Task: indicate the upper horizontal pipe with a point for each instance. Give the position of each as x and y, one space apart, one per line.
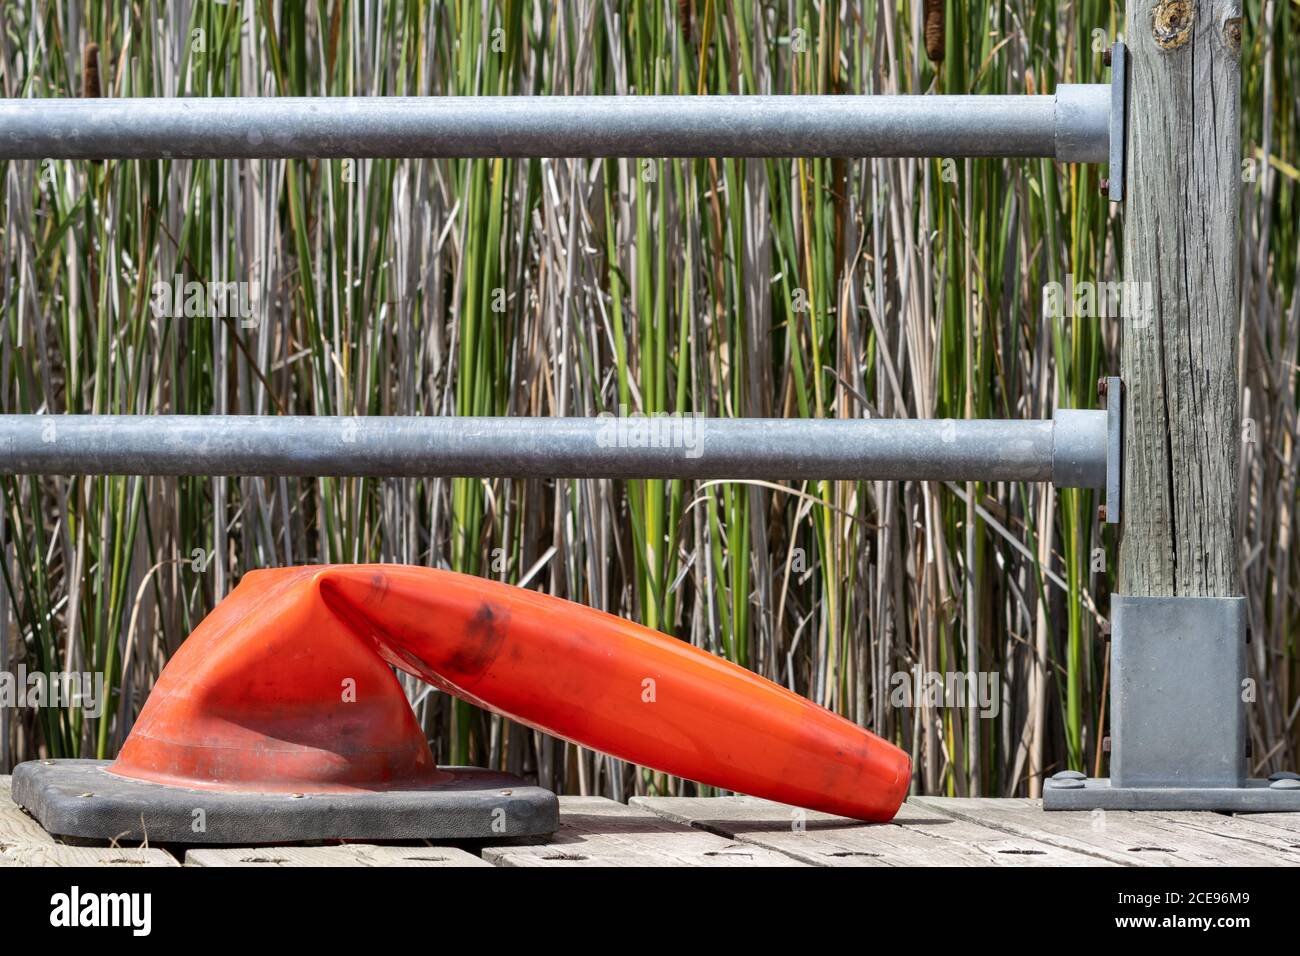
1072 126
1069 451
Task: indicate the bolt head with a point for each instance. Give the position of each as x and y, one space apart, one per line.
1284 785
1101 513
1103 386
1105 745
1069 775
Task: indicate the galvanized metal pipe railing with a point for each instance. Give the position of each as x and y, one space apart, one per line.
1069 450
1072 125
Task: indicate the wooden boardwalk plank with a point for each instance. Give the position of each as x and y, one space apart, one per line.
349 855
1289 822
1121 836
744 831
916 837
16 827
595 831
1249 828
57 854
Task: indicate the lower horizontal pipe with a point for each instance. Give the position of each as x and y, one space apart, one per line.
1070 450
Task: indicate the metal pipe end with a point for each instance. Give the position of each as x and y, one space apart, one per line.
1083 122
1079 448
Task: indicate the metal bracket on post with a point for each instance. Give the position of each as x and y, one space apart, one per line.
1114 447
1118 120
1179 736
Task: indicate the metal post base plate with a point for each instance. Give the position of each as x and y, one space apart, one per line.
77 798
1178 665
1071 790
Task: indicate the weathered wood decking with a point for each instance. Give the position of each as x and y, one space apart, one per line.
743 831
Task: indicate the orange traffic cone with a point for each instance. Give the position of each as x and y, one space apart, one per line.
280 719
284 688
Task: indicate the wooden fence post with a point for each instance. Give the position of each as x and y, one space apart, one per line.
1179 354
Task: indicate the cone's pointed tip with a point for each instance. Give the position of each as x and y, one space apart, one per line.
902 782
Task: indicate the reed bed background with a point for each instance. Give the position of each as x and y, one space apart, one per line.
557 287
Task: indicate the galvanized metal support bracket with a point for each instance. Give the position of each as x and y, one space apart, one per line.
1118 120
1178 713
1114 447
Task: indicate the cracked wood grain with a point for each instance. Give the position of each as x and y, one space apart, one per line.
1179 364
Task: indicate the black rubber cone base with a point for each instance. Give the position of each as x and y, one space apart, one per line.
77 798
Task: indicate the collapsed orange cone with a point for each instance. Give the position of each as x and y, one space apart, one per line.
285 687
